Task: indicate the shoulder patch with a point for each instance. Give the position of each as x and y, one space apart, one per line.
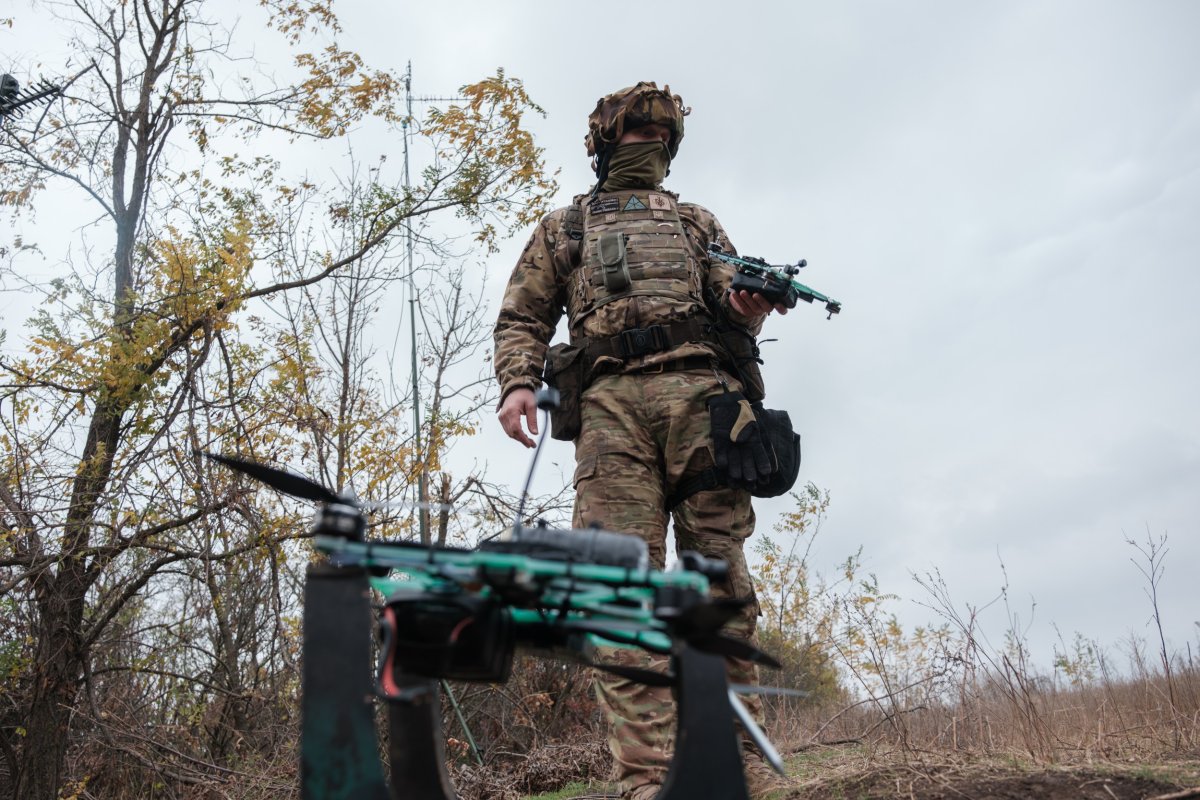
634 204
603 206
660 202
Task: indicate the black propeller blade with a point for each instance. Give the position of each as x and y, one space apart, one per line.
699 625
704 617
646 677
287 482
706 641
719 645
742 688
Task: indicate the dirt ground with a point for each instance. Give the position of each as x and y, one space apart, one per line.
990 782
1024 786
851 773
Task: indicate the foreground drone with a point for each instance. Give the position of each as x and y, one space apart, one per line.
458 614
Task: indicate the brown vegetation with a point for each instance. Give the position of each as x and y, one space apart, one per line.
149 613
213 297
939 713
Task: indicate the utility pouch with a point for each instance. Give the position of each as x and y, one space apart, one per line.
775 427
742 348
611 247
565 368
783 448
739 351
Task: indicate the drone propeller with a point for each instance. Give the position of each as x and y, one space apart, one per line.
745 688
706 642
699 625
287 482
756 733
299 486
720 645
702 618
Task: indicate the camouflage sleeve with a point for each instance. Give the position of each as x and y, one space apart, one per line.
530 311
707 229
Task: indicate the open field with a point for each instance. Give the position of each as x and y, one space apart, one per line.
850 774
1113 739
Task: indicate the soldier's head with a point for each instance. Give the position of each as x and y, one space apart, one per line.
642 115
654 132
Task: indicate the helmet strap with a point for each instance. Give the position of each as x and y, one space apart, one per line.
602 160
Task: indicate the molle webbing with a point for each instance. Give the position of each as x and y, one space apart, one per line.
573 225
655 257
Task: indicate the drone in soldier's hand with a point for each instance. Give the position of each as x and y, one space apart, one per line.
770 286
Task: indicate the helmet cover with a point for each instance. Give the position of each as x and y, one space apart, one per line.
633 107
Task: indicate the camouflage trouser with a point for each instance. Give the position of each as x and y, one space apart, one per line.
641 435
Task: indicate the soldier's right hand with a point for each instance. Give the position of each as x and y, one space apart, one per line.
519 404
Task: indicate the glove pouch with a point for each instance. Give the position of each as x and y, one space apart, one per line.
784 443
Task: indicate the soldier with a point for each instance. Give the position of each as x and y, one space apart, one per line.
657 393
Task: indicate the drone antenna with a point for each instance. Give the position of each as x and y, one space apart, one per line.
547 399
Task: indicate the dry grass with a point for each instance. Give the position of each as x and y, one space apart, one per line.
986 733
847 773
1015 714
545 769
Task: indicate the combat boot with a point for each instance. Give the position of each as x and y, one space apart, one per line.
647 791
762 782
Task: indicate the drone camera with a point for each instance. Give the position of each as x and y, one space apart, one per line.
461 638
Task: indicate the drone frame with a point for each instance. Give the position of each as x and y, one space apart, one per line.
339 746
339 757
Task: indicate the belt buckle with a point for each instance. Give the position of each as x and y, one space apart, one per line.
655 369
643 341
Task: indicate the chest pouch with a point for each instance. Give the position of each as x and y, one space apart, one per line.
613 262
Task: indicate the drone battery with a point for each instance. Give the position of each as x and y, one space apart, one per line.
459 638
776 291
586 545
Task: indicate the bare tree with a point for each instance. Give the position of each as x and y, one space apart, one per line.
138 358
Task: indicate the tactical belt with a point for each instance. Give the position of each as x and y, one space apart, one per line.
679 365
637 342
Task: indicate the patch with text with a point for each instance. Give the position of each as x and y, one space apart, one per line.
604 206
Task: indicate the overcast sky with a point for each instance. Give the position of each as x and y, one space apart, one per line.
1005 197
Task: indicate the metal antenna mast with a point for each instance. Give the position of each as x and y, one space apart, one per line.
423 475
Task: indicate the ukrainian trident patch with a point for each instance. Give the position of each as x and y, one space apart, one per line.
660 202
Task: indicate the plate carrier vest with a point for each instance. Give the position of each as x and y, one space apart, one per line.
633 244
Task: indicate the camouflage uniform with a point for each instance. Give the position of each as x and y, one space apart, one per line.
645 425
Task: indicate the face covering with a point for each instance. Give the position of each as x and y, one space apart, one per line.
637 166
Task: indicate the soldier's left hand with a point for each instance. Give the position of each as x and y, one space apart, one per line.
753 304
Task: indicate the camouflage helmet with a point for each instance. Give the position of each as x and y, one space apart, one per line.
633 107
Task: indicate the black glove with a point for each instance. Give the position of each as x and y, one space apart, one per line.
741 455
